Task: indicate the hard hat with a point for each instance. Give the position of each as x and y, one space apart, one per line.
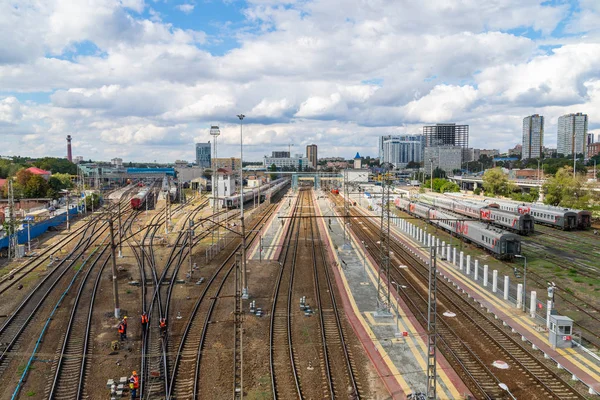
125 317
134 373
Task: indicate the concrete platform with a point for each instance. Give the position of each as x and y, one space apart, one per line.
401 362
582 364
273 231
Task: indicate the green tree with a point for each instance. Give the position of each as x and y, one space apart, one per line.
58 182
449 187
90 199
273 168
439 173
56 165
442 185
495 182
9 168
565 190
35 187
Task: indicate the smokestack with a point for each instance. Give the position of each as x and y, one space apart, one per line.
69 154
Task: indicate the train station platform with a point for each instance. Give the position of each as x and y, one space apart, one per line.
273 231
582 364
397 345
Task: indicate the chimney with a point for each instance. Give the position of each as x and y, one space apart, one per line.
69 154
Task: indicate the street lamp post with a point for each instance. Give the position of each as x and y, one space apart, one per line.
524 279
121 231
364 261
431 165
215 132
114 269
245 293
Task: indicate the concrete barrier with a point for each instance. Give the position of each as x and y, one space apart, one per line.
485 275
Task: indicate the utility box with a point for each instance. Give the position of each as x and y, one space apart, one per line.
561 331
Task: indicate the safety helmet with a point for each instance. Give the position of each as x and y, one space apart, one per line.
125 317
134 373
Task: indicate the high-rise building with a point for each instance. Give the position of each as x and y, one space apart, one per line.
446 135
447 158
572 134
590 138
311 154
203 156
399 150
280 154
533 136
298 163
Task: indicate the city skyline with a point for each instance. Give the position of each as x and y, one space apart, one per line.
145 80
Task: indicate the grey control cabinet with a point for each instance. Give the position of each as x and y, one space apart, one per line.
560 333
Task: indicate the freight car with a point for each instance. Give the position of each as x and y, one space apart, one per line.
502 244
138 201
485 212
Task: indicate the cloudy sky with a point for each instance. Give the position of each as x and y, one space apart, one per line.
145 79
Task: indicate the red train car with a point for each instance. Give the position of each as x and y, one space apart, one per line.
335 191
139 199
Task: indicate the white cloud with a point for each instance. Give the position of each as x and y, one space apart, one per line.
10 110
441 104
185 8
122 81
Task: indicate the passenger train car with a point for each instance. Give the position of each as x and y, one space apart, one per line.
486 212
502 244
273 190
138 201
584 218
234 201
555 217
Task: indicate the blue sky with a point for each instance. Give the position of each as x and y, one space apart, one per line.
146 79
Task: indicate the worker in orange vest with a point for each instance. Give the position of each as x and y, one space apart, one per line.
134 384
122 328
145 321
163 327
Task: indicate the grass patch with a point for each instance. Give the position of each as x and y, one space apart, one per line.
569 290
572 271
262 392
31 393
77 267
21 369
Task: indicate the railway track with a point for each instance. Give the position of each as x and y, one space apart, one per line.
591 321
472 353
155 349
13 327
68 370
340 371
186 372
284 374
69 366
